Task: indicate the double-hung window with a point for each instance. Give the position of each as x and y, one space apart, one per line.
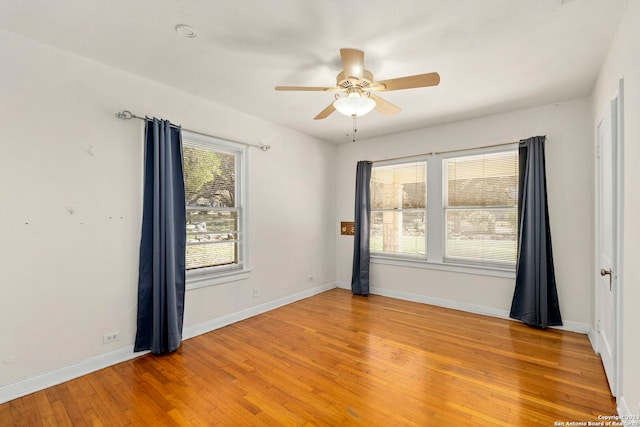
399 209
215 209
447 211
480 209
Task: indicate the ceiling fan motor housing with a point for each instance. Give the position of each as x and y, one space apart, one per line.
350 82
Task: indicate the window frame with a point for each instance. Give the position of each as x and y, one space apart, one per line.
400 255
446 208
436 226
208 276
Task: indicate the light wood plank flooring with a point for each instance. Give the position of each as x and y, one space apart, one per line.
337 359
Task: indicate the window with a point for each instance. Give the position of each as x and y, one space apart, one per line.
214 184
398 208
480 208
445 211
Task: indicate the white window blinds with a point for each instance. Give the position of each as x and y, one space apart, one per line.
398 208
480 209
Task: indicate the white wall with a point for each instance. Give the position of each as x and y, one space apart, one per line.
68 278
570 172
623 61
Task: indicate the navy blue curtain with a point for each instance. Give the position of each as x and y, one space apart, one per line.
535 299
360 271
161 282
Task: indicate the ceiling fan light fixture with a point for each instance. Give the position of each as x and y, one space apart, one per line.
354 104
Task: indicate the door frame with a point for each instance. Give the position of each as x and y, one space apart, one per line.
617 126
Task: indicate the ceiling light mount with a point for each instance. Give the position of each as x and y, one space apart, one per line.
186 31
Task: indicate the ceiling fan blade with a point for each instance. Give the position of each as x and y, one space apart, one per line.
384 106
352 62
409 82
325 113
305 88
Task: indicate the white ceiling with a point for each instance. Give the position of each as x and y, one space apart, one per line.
492 55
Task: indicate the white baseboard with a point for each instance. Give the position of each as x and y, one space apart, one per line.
572 326
49 379
220 322
343 285
623 409
441 302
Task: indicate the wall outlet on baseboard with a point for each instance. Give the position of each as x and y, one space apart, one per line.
111 337
256 292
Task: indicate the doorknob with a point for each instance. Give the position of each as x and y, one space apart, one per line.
604 272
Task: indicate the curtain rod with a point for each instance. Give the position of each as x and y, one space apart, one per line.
445 152
128 115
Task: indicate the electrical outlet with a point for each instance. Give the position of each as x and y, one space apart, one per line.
256 292
111 337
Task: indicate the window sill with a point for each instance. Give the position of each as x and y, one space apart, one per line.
422 263
196 281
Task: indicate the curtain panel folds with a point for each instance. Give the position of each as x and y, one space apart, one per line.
535 299
360 271
161 282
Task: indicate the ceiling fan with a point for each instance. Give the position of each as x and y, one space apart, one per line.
356 85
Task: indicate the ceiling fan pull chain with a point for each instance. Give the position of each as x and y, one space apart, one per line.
354 127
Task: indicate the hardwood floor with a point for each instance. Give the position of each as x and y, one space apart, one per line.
337 359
